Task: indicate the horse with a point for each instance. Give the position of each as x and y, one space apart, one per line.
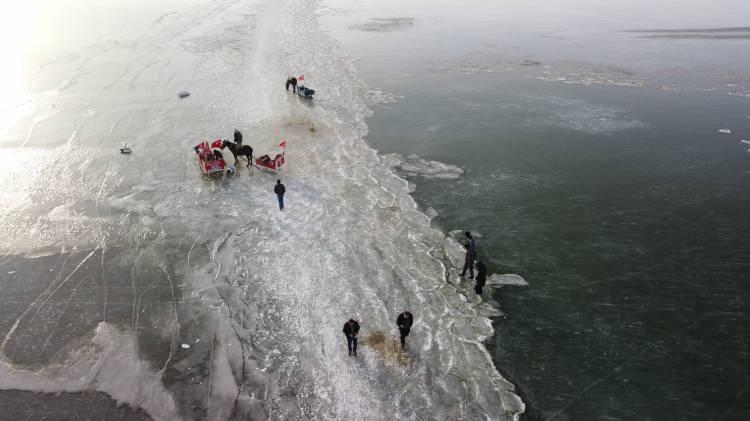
244 150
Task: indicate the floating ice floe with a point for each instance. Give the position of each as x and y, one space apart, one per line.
185 346
727 131
384 24
414 166
745 141
506 279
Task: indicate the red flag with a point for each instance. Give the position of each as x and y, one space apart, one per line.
216 143
301 77
283 144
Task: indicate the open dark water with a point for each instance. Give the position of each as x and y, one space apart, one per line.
634 243
623 206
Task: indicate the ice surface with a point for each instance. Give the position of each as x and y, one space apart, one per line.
259 295
105 362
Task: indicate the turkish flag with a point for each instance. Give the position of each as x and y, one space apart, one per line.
283 144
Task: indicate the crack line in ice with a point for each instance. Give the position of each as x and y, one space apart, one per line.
193 245
57 319
49 296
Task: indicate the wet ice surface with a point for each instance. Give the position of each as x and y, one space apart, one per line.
113 263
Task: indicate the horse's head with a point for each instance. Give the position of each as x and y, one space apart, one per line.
224 143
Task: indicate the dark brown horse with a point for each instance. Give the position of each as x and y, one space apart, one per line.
244 150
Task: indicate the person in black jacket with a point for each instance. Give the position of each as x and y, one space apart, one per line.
279 189
293 82
404 322
351 330
238 137
471 254
481 277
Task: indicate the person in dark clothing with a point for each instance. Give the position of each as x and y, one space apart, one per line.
481 277
471 242
292 81
471 254
351 330
404 322
279 189
237 137
468 262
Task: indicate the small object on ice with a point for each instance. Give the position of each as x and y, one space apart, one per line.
746 142
125 149
185 346
13 272
183 94
727 131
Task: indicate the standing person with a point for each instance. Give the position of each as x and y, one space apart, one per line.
471 242
279 189
471 254
351 330
404 322
481 277
468 262
291 81
237 137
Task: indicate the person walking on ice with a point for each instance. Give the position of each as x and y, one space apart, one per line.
351 330
404 322
279 189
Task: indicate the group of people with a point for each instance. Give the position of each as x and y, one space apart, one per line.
351 330
405 319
